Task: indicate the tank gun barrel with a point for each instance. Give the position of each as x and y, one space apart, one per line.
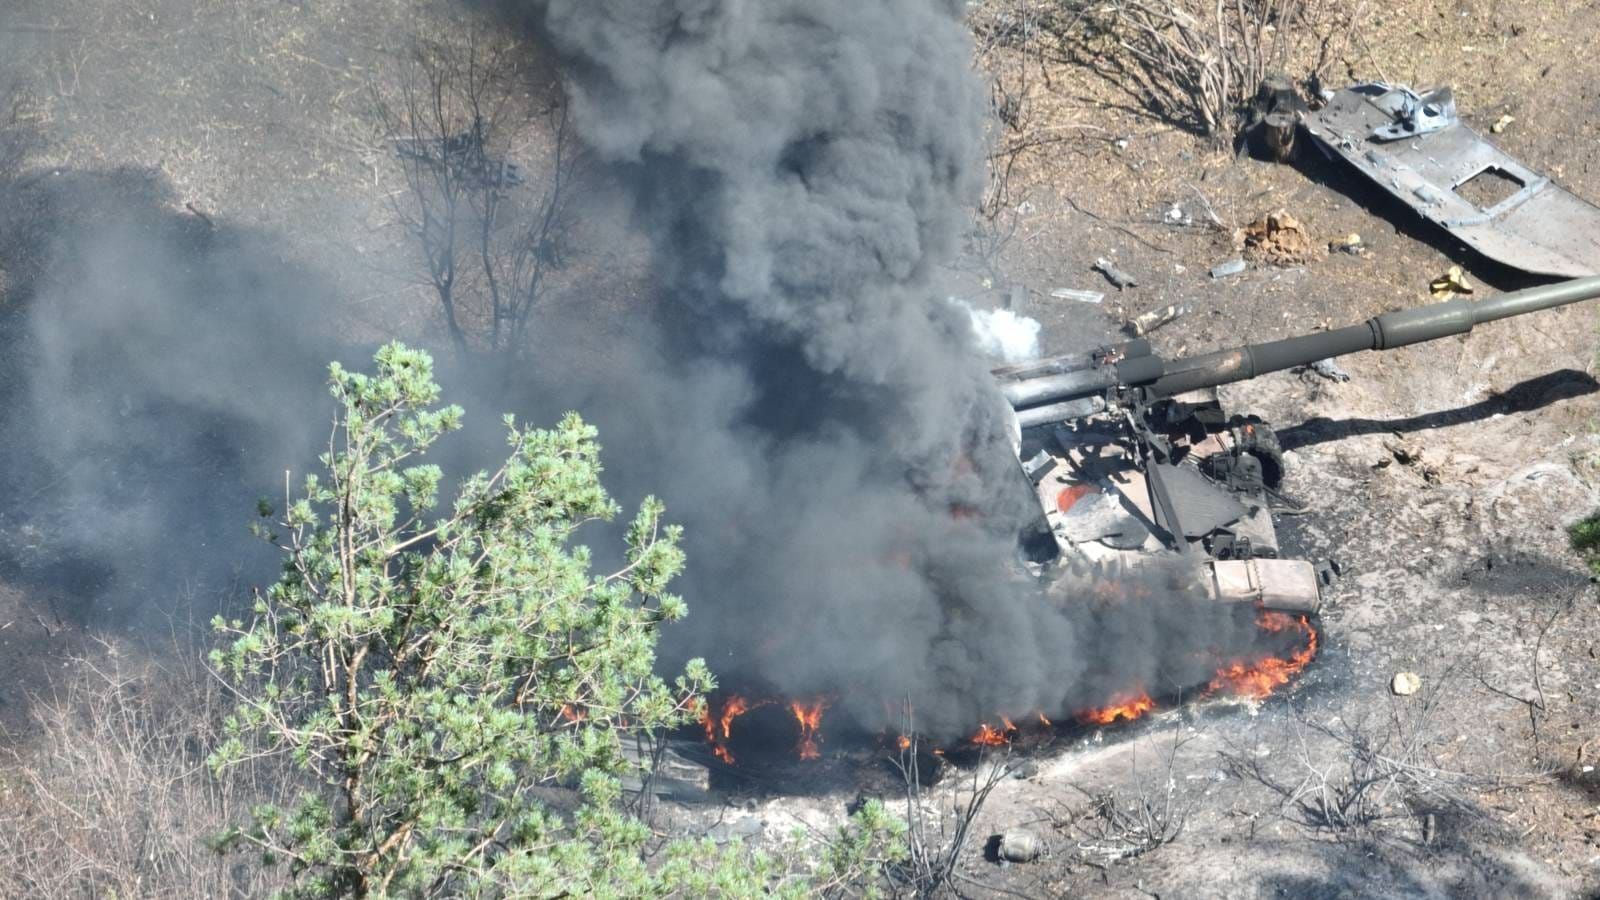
1382 332
1070 362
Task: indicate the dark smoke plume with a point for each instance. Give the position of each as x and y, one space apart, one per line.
811 406
797 388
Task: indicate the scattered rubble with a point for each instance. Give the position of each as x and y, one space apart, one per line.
1279 239
1113 274
1501 123
1408 454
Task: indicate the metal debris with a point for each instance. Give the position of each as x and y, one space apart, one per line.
1019 846
674 774
1080 296
1142 325
1459 181
1231 267
1415 115
1113 274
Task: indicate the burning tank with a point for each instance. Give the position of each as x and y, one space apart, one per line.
1134 462
1138 471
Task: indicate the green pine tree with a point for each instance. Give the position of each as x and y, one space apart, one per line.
442 680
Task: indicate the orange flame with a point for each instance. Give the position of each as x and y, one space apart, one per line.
719 727
708 720
1044 721
733 709
809 715
987 736
1126 707
572 715
903 742
1258 679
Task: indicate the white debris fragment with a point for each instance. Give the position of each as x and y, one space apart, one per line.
1231 267
1330 370
1142 325
1405 684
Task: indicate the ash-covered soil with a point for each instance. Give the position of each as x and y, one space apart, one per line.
1440 478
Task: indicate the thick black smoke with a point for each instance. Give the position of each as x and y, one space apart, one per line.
812 407
797 388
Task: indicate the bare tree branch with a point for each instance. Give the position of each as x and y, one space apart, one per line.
489 240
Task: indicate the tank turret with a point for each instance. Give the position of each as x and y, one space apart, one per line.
1133 460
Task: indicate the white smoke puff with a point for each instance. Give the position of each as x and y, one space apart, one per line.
1004 335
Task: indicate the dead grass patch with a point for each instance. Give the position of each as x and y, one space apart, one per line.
110 795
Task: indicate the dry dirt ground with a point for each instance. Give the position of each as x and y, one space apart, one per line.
1439 477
